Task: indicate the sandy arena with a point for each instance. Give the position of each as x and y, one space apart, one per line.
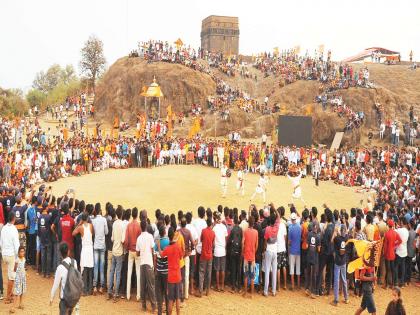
171 188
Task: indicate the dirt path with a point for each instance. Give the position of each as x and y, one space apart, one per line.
286 302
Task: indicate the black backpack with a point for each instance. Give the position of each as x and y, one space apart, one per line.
74 285
236 240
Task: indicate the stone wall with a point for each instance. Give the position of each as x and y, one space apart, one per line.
220 34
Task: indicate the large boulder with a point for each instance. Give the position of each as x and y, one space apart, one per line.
118 93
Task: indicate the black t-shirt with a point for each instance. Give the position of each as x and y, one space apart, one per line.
326 245
314 241
19 214
8 204
340 250
108 237
44 228
55 219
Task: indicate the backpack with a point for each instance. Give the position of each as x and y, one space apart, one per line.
236 241
74 285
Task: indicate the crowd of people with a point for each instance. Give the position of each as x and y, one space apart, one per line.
226 95
177 256
31 156
409 129
288 67
81 106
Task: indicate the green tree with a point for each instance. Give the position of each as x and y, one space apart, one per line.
47 81
40 82
12 103
61 91
36 97
93 60
54 74
68 74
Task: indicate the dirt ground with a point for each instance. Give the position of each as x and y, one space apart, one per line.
38 293
176 187
186 187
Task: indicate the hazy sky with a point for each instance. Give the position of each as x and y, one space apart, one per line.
37 34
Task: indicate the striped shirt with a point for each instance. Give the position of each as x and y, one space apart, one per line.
162 262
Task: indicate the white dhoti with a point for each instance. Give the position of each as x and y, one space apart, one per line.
258 190
297 190
240 185
297 193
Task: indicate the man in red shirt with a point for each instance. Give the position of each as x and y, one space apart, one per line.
391 241
206 258
67 226
174 254
249 248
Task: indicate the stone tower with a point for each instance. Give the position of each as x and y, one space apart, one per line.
220 34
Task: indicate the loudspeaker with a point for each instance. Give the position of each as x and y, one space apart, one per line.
295 130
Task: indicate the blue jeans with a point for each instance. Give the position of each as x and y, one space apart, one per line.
399 270
46 258
55 255
99 263
340 273
116 264
270 262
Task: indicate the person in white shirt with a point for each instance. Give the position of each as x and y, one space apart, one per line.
117 256
413 135
194 235
261 187
9 243
224 179
61 278
317 171
264 139
220 155
281 251
219 261
144 248
381 130
393 130
199 224
401 251
297 191
240 184
397 136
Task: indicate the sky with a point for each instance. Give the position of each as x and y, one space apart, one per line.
37 34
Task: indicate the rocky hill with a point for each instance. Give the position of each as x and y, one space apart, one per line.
397 88
118 93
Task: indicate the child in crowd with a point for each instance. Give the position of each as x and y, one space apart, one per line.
20 280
